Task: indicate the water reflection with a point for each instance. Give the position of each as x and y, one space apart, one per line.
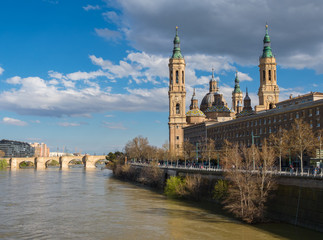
90 204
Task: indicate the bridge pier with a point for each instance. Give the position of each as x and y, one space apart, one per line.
14 164
63 162
40 163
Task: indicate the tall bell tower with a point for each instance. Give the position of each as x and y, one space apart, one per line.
176 95
268 92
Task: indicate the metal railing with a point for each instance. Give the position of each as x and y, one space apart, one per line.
306 174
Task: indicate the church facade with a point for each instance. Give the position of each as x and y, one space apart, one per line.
213 118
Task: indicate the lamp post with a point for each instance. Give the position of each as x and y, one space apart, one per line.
252 143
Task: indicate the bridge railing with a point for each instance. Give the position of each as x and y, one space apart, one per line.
296 173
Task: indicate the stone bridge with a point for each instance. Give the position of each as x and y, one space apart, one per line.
41 162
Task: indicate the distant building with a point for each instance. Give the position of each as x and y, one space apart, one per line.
16 149
59 154
41 149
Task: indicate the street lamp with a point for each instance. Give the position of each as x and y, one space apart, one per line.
252 143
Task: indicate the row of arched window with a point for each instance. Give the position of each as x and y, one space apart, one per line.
176 77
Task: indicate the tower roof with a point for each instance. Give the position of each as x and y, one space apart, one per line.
267 52
236 84
193 96
177 50
247 95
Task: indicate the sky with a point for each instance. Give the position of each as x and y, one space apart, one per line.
90 75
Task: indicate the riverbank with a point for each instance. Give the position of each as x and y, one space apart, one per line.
289 204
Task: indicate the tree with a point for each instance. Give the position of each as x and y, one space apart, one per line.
301 138
2 153
137 148
188 151
280 143
208 150
248 188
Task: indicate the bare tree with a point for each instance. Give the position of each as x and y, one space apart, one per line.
208 150
188 151
137 148
280 143
249 188
301 138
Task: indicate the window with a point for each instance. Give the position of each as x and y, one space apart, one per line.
269 120
297 115
269 75
256 123
274 119
303 113
291 116
260 130
311 124
310 113
285 117
318 122
269 130
317 111
176 76
259 122
183 77
177 109
171 77
177 137
263 75
265 121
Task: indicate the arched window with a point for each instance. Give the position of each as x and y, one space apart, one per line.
183 77
269 75
171 77
263 75
177 109
176 76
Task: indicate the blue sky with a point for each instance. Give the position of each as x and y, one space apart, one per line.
91 75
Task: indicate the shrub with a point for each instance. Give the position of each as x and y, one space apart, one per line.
220 190
175 187
3 163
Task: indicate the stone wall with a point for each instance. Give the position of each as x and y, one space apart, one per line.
302 206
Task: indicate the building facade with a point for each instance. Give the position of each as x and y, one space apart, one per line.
16 149
241 124
41 149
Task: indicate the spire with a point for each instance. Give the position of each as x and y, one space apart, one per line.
177 49
213 83
236 84
247 96
193 96
267 49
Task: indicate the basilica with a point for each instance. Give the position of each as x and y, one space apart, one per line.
208 119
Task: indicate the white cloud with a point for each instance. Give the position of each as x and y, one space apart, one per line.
68 124
109 116
244 77
12 121
14 80
113 125
35 121
149 27
1 70
91 7
108 34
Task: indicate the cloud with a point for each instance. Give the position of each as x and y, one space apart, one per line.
244 77
294 27
12 121
109 116
113 125
35 121
1 70
91 7
108 34
69 124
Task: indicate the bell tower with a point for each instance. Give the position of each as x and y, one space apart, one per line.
268 92
176 95
237 96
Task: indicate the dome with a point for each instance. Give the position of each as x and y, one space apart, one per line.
208 99
218 109
195 113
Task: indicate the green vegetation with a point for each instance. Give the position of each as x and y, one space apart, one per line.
174 187
189 187
53 163
3 164
220 190
26 164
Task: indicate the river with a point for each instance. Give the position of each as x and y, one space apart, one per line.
91 204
